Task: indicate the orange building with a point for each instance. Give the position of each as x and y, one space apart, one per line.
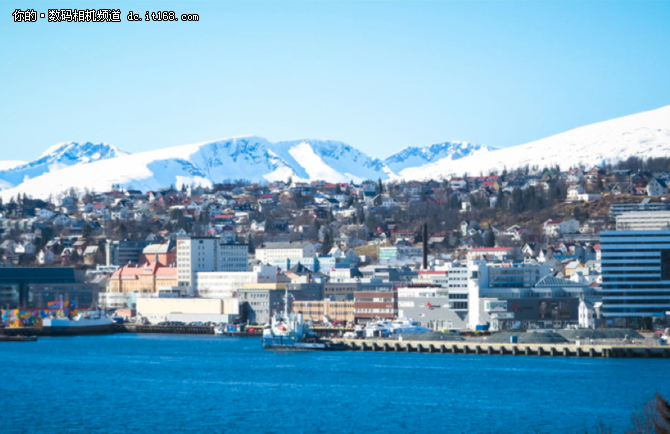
162 254
147 278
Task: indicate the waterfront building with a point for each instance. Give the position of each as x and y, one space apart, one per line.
370 305
643 221
83 294
549 304
636 277
157 309
457 276
16 284
505 280
432 307
147 278
225 284
207 254
260 301
318 311
589 313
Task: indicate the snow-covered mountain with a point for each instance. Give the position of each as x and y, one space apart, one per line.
413 156
10 164
56 158
249 157
644 135
97 167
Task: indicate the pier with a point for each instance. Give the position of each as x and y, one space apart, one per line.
551 350
139 328
182 329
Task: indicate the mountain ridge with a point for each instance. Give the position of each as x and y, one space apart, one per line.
254 158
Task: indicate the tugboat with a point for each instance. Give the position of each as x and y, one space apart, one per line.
288 331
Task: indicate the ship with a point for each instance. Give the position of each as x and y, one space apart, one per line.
81 324
288 331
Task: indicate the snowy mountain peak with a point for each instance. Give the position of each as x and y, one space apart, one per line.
253 158
57 157
413 156
84 152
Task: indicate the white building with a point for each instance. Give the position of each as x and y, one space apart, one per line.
588 313
643 221
203 254
555 228
225 284
285 250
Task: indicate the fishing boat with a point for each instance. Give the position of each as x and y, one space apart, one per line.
288 331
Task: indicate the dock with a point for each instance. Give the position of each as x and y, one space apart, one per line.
181 329
552 350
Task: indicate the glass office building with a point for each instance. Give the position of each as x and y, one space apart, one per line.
636 278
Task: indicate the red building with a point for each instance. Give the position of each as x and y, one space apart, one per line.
369 305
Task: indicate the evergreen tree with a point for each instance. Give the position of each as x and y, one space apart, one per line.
490 238
327 242
500 199
86 231
517 201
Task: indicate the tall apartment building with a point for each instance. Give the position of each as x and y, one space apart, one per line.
206 254
636 277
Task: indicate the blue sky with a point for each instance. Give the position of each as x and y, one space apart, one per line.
377 75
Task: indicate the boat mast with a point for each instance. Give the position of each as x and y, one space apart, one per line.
286 302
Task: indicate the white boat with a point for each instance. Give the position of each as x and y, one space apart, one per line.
378 329
83 323
406 325
288 331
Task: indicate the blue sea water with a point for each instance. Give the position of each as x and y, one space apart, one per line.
129 383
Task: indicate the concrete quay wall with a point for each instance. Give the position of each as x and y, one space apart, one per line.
555 350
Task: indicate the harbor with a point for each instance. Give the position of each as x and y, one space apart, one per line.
174 376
